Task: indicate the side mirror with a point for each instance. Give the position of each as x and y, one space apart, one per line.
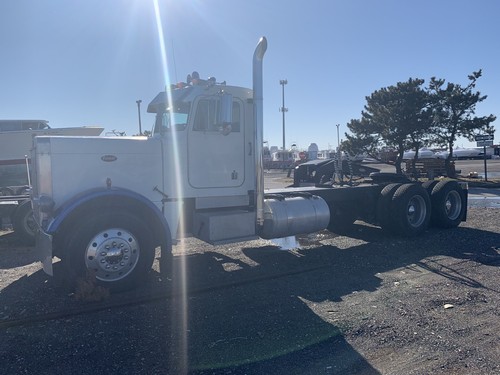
226 129
226 112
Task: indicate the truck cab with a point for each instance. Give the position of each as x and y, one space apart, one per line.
207 132
213 154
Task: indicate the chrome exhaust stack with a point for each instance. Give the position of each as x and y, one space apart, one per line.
258 104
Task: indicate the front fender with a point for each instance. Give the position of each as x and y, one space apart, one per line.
111 196
50 242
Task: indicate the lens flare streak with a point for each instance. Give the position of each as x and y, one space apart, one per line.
181 318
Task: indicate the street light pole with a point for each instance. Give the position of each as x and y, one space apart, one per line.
139 113
338 136
283 82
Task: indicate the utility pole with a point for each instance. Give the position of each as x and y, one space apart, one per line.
338 136
283 82
139 113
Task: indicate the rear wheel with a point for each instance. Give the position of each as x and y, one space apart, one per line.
115 250
448 206
411 210
384 216
429 185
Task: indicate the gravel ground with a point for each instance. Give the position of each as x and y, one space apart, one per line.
361 303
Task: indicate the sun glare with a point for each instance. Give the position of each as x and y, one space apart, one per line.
181 315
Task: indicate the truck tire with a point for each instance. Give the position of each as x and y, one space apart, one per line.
411 210
24 224
448 204
429 185
342 216
115 250
384 216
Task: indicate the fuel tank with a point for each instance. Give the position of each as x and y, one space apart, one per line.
291 215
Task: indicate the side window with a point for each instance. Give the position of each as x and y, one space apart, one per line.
203 114
207 115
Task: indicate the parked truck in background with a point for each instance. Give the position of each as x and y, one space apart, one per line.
16 139
15 206
200 174
16 214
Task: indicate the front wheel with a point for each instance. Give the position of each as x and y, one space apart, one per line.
116 250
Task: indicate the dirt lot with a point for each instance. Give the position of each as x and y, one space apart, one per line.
361 303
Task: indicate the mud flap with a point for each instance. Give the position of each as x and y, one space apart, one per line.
43 249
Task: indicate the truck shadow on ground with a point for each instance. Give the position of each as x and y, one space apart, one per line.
9 243
242 312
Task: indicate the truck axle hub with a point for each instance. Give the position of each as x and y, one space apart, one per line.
112 254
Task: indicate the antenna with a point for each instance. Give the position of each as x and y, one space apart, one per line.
173 58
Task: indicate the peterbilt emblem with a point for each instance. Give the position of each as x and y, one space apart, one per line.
108 158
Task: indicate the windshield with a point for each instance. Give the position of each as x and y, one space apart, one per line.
168 120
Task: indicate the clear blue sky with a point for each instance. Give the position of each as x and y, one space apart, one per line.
86 62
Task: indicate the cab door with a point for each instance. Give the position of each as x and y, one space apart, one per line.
216 150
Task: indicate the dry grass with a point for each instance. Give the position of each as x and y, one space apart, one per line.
87 289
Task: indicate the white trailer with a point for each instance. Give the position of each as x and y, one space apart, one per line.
200 174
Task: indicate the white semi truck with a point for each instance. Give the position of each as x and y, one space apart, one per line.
103 205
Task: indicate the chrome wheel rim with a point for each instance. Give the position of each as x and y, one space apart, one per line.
416 211
453 205
112 254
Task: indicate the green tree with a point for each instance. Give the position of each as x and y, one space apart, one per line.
364 139
397 117
453 109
